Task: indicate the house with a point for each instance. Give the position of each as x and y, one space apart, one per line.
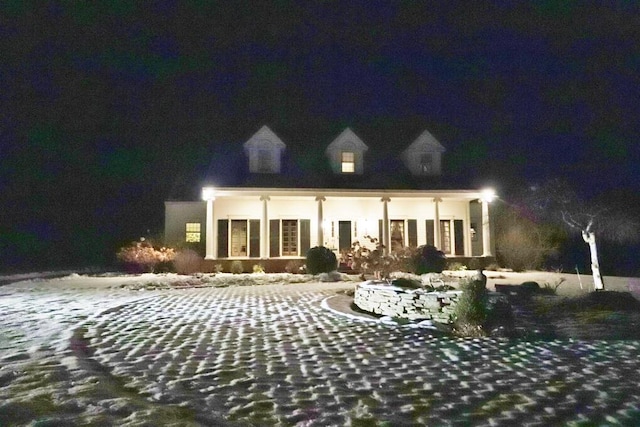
277 214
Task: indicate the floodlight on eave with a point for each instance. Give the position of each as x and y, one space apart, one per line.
488 195
208 193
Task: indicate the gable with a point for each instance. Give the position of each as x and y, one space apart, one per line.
264 150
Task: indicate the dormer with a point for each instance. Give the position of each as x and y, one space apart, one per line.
424 156
264 149
346 153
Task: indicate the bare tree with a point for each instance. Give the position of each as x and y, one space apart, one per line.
594 220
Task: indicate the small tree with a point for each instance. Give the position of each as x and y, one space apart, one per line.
557 201
521 242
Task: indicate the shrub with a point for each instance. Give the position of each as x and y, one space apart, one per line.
321 260
187 261
429 260
218 268
367 260
143 257
257 268
471 310
294 267
236 267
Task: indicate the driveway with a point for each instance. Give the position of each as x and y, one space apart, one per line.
275 355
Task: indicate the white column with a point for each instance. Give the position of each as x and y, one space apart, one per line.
385 224
486 230
209 242
320 241
264 228
467 231
437 241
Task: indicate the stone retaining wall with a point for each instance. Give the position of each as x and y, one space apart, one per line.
388 300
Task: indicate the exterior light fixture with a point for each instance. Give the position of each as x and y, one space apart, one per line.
208 193
488 194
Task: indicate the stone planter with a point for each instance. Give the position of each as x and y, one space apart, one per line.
379 297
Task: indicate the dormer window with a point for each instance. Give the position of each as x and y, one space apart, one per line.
346 153
424 156
264 150
348 162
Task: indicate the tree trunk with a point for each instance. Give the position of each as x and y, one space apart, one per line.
590 238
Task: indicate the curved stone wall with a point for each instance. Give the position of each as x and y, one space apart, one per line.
381 298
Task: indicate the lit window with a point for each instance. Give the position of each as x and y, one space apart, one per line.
397 234
238 237
193 232
289 237
348 162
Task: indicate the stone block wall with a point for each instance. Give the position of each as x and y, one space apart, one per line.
411 304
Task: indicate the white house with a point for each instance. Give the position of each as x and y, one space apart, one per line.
282 221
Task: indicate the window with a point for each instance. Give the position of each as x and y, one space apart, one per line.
426 163
397 234
192 232
348 162
238 237
445 236
289 237
264 160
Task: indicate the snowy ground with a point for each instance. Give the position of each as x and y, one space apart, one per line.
84 350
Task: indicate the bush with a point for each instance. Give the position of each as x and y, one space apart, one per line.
187 261
471 310
142 257
365 260
321 260
257 268
236 267
429 260
294 267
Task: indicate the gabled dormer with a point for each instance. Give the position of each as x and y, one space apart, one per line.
264 150
346 153
424 156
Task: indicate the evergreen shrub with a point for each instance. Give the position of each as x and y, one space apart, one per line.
429 260
236 267
321 260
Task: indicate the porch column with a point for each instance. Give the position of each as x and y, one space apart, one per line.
467 231
437 241
385 224
486 229
209 238
264 228
320 241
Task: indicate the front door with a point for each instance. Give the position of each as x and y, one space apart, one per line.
344 235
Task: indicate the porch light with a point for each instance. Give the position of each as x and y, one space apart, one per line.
488 194
208 193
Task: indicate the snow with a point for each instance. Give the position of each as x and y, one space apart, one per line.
106 350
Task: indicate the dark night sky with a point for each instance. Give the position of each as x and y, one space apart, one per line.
106 110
